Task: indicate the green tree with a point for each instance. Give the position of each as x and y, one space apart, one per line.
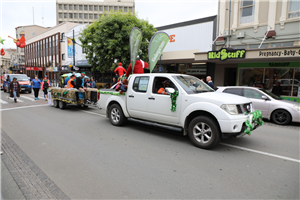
107 39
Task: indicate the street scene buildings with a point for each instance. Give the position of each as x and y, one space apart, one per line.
206 107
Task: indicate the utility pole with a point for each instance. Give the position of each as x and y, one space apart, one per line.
229 33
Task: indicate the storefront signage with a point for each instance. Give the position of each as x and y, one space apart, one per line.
34 68
279 64
279 53
224 54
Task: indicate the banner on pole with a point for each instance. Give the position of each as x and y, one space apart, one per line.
135 41
157 45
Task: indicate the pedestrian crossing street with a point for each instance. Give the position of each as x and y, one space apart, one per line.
23 98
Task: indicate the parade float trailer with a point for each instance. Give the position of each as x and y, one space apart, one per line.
195 110
60 97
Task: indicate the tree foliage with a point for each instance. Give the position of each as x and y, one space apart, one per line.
107 39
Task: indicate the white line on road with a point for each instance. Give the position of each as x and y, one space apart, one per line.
261 152
23 107
31 99
4 102
93 113
18 99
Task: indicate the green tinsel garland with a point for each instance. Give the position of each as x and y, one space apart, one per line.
173 100
257 119
112 93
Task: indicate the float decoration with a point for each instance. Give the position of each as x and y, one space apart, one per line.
257 121
2 41
2 52
111 93
173 100
19 42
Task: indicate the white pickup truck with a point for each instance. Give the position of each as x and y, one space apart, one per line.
201 113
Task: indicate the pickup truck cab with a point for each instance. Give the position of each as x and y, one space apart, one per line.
201 113
21 78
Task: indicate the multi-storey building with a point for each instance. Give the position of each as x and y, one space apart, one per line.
8 61
84 12
258 42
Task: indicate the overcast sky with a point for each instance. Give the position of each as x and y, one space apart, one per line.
16 13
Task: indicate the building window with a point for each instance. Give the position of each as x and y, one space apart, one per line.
130 9
85 16
116 8
100 8
294 9
283 44
65 15
80 15
75 15
75 7
71 15
106 8
70 7
247 11
95 16
91 8
60 7
65 7
255 46
111 8
121 8
85 7
95 8
240 47
83 50
90 16
80 7
60 15
125 9
63 56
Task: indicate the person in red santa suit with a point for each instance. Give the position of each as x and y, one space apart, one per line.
138 67
119 71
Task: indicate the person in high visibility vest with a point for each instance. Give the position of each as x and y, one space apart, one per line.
71 83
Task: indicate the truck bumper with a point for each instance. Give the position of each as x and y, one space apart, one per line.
235 126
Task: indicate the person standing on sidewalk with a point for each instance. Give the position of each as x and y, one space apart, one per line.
36 85
14 89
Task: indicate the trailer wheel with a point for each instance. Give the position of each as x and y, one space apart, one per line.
62 105
116 115
55 103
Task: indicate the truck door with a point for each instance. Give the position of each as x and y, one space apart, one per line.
137 97
159 105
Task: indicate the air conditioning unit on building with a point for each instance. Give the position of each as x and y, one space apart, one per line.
240 34
226 33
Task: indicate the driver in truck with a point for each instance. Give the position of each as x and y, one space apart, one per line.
166 84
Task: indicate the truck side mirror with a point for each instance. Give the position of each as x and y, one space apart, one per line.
170 90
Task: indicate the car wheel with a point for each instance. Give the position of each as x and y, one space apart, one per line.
62 105
204 132
281 117
55 103
116 115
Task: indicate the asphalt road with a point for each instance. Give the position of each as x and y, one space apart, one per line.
88 158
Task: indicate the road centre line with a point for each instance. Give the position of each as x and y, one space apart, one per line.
261 152
5 109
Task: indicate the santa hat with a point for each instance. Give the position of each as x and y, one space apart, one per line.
120 64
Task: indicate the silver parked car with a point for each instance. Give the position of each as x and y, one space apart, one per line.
271 106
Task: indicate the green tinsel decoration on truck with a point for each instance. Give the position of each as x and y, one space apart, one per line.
257 119
173 100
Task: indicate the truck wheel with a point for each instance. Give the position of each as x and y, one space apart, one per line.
55 103
62 105
116 115
204 132
281 117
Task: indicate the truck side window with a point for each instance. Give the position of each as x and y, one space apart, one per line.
140 84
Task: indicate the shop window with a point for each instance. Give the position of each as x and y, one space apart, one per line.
65 7
251 77
140 84
255 46
294 9
247 11
281 75
296 83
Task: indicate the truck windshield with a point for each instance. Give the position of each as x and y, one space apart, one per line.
192 85
19 77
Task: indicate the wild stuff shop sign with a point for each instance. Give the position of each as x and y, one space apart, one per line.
224 54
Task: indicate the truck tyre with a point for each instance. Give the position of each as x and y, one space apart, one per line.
62 105
281 117
204 132
55 103
116 115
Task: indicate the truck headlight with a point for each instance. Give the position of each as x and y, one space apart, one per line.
231 109
297 107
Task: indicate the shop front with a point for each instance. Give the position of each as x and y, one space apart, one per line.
257 68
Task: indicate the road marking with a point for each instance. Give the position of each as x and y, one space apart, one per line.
22 107
31 99
261 152
4 102
18 99
93 113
